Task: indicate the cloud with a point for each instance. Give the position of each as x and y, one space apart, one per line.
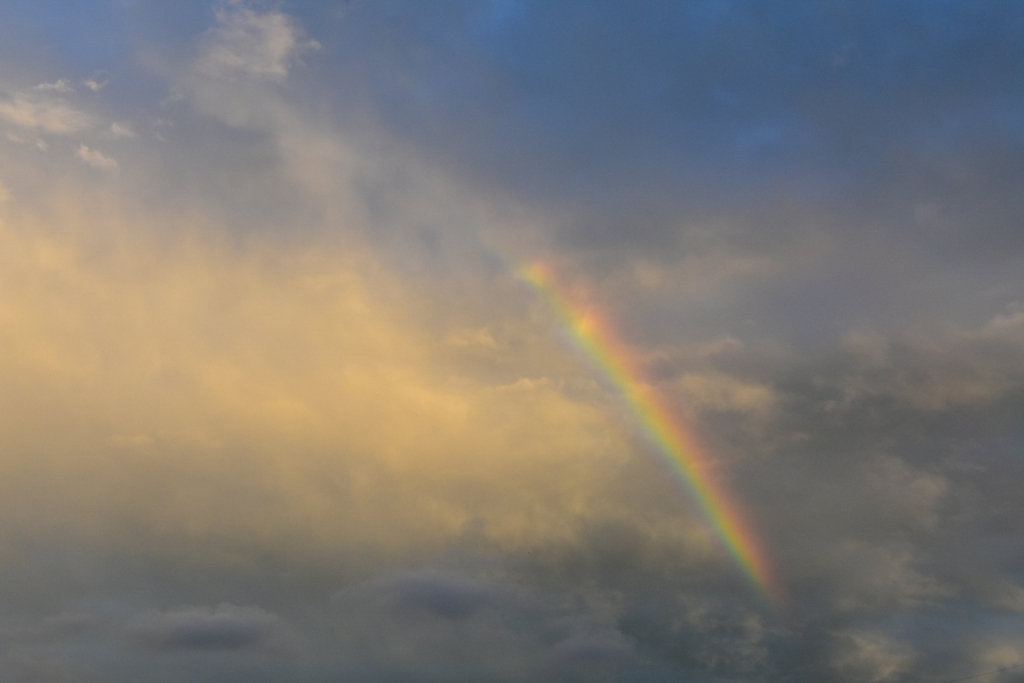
1009 596
715 391
35 141
224 628
121 130
883 577
958 368
43 114
871 656
61 85
440 623
97 82
598 649
95 158
444 595
217 358
252 44
1002 656
911 495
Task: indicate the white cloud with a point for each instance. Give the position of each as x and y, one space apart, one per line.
47 115
61 85
95 158
94 84
252 44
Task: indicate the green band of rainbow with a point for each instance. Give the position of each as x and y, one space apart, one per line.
673 440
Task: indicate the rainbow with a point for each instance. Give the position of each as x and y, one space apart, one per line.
673 440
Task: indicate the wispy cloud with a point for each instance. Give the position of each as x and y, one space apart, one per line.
121 131
97 82
44 114
252 44
95 158
61 85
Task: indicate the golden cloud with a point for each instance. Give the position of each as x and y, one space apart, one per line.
271 395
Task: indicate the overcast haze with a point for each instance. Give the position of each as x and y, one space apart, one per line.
276 404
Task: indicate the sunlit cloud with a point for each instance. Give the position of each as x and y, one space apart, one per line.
43 114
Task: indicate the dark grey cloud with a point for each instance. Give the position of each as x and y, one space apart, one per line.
451 597
890 474
594 649
224 628
475 621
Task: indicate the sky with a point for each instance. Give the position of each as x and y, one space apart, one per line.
497 341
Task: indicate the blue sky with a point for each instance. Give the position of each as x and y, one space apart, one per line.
278 407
